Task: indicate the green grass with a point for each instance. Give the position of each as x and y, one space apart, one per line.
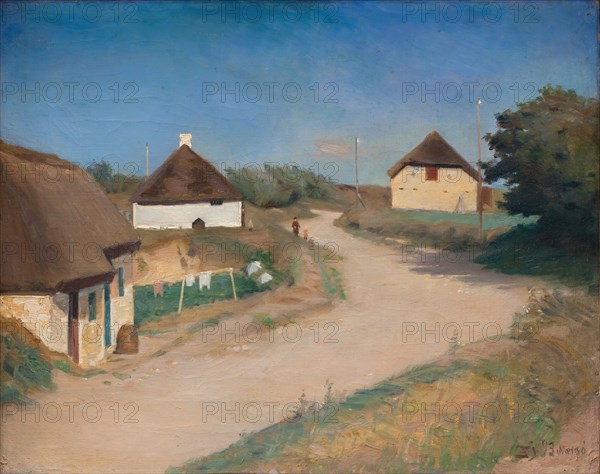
121 376
266 321
200 325
92 373
492 220
337 281
428 226
525 250
296 271
521 379
519 247
62 366
149 308
332 281
155 332
23 369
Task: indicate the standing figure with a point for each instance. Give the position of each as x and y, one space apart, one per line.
296 226
305 233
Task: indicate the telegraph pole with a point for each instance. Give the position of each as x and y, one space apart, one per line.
146 160
356 164
479 186
356 170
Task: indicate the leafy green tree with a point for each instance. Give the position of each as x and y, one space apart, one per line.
103 173
547 153
113 182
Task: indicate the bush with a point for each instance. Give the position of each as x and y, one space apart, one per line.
23 368
113 182
529 250
278 186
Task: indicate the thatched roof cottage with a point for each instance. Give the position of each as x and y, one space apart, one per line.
67 267
434 176
186 191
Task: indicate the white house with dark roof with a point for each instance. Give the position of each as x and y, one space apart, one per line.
186 191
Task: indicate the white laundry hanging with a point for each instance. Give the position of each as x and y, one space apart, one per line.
253 267
264 278
204 280
190 280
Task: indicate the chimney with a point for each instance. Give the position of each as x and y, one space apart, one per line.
185 139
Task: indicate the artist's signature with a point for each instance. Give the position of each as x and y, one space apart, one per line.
550 450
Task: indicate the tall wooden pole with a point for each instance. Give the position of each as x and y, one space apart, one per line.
356 171
479 184
356 165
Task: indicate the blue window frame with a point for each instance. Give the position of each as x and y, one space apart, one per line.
107 338
92 306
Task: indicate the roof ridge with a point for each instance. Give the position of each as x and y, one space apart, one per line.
433 150
176 181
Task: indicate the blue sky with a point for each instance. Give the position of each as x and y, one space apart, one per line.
361 70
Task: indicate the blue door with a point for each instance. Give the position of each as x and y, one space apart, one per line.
107 341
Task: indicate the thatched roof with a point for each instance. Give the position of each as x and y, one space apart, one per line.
57 226
185 177
433 151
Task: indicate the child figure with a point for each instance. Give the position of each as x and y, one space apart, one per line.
305 233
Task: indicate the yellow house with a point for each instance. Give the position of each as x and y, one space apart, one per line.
434 176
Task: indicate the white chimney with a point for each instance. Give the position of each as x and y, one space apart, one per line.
185 139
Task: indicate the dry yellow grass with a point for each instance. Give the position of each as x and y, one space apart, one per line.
465 412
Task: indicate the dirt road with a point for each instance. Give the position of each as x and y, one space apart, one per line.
198 397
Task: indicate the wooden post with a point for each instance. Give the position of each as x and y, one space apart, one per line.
181 296
73 327
356 165
479 184
358 196
232 283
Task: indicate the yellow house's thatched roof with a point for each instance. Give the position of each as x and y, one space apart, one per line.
433 151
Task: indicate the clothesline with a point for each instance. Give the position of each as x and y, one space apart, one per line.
220 270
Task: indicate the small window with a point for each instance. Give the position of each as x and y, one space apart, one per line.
431 173
216 202
92 306
121 273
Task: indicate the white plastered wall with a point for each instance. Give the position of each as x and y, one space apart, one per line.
181 216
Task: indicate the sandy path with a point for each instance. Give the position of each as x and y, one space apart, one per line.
171 398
